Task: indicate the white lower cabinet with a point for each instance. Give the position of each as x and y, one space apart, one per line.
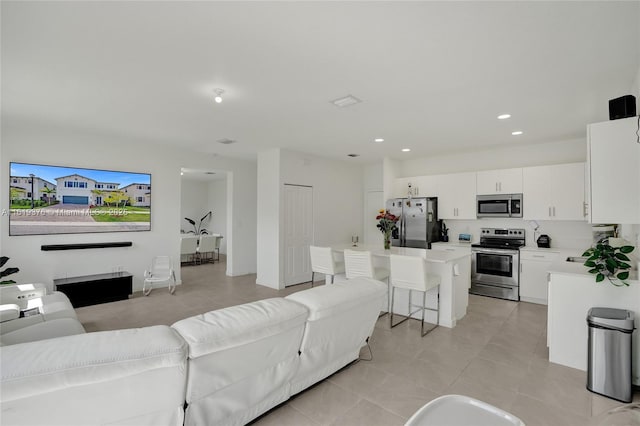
534 267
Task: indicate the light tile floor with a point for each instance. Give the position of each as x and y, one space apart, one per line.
497 354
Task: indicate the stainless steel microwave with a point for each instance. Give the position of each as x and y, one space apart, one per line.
499 205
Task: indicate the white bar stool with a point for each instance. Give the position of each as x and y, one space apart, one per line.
410 273
323 262
360 264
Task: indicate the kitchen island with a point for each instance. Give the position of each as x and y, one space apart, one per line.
454 269
572 292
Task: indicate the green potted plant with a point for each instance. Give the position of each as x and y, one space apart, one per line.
610 262
7 271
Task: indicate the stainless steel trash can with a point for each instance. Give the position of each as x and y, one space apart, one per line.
609 361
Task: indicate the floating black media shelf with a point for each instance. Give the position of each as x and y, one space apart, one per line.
57 247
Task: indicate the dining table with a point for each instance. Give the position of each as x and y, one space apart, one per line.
454 269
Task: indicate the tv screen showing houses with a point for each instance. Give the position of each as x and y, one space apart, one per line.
68 200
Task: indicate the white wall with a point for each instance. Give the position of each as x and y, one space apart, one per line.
337 194
194 202
29 142
268 222
337 204
217 190
571 151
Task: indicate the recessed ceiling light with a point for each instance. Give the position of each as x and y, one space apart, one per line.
517 133
353 155
504 116
406 149
378 140
346 101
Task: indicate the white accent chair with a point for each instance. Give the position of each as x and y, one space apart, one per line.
188 248
323 262
206 247
459 410
161 270
411 273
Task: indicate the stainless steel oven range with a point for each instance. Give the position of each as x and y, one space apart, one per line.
495 263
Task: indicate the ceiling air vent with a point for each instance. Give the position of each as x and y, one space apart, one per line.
226 141
353 155
209 173
346 101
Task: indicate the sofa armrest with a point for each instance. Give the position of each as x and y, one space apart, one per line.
9 311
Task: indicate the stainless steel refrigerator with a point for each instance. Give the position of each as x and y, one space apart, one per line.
418 225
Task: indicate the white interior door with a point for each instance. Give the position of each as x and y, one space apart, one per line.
298 228
373 204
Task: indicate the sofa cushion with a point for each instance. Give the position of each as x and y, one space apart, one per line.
134 376
43 330
329 300
235 326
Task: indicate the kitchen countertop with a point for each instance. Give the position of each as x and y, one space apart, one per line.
545 250
430 255
561 266
455 243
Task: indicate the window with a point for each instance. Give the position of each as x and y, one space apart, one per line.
15 181
74 184
141 199
99 185
28 195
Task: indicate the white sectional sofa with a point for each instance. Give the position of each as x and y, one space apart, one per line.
227 366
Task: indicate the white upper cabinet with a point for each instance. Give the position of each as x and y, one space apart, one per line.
421 186
614 171
554 192
504 181
457 196
425 186
400 187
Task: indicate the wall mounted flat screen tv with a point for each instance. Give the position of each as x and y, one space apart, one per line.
68 200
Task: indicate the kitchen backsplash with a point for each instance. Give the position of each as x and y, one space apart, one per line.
563 234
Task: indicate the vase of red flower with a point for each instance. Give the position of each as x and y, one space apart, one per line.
386 225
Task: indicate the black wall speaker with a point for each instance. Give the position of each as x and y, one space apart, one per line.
622 107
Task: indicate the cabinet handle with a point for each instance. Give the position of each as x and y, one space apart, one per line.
500 186
554 211
549 211
520 267
584 209
496 186
537 255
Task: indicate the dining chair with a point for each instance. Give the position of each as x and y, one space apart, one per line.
217 245
411 273
207 245
188 247
161 270
323 262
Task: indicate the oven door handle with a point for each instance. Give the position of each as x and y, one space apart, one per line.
495 251
510 204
